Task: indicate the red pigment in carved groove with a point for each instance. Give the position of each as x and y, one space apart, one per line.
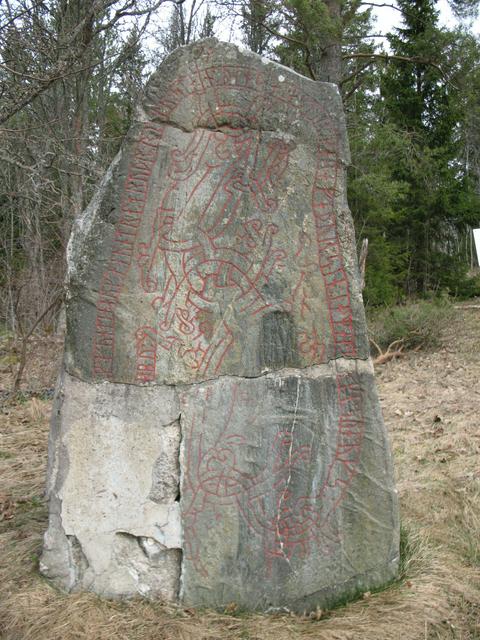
295 528
215 479
197 268
351 428
146 352
330 255
131 211
351 425
351 422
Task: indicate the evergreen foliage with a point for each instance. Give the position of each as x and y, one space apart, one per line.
409 190
413 126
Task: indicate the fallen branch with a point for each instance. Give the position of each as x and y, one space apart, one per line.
389 354
467 306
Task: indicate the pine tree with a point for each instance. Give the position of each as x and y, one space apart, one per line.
420 106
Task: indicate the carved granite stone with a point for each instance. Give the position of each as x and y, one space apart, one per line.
217 436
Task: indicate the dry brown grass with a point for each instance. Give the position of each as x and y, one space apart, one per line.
431 406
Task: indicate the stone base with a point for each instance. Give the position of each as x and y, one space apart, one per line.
114 523
232 490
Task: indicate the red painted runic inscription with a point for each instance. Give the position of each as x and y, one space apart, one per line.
132 207
184 272
288 523
330 255
219 260
146 353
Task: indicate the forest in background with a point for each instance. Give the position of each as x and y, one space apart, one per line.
71 72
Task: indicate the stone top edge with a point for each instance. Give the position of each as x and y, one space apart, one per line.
282 67
243 51
266 61
211 84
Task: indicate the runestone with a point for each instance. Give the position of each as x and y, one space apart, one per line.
217 436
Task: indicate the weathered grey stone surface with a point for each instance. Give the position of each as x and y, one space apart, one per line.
287 500
217 436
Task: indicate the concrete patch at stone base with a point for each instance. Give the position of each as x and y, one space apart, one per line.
117 518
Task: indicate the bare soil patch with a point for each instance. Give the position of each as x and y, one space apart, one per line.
431 407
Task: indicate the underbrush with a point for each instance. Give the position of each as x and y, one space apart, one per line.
415 325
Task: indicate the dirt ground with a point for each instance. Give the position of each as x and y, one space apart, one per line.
431 406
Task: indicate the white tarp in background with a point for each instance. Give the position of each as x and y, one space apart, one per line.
476 237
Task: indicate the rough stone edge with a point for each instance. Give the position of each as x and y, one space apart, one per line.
85 221
141 116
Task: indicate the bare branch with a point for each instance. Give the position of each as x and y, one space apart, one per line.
21 14
387 57
389 354
25 339
355 73
277 34
383 4
68 63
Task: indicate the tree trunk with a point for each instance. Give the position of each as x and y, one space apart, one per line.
328 66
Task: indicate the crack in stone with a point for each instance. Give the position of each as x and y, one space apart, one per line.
284 371
181 445
216 129
289 478
78 560
166 467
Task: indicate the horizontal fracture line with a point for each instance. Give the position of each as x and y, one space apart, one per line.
334 366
